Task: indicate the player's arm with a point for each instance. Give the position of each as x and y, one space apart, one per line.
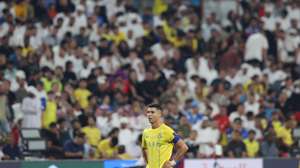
145 155
144 148
181 149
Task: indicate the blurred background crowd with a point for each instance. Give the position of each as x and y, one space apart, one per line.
226 72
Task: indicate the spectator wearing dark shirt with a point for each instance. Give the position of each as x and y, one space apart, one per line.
193 145
269 147
69 75
63 131
82 39
75 129
174 115
11 151
74 149
236 148
54 146
222 80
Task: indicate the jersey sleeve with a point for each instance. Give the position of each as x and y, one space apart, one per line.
172 137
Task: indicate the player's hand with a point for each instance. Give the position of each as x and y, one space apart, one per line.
167 164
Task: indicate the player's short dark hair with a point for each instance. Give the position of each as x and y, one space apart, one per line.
155 105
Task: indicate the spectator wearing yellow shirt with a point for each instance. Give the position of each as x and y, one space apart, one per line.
115 35
256 85
108 148
285 133
21 9
252 146
93 134
27 49
159 7
50 114
82 94
276 124
49 80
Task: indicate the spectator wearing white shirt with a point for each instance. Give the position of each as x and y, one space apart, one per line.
162 50
192 66
249 124
256 47
60 56
35 41
207 28
31 108
43 30
284 20
207 139
41 94
87 67
47 59
77 60
71 26
80 17
286 46
206 69
104 119
137 64
269 21
127 137
4 29
17 38
252 105
92 51
275 74
110 63
240 113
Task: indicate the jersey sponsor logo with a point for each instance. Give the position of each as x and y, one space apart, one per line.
153 144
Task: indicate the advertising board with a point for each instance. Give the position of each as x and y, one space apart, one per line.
62 164
223 163
281 163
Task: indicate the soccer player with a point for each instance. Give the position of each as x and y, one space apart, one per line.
159 140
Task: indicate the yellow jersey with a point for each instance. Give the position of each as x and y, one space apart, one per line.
93 135
104 147
159 143
50 115
252 147
82 95
159 7
286 135
48 84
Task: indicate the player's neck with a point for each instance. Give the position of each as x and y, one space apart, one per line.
156 124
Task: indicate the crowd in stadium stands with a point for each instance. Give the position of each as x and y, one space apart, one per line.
226 72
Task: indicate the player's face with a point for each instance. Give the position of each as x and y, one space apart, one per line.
153 114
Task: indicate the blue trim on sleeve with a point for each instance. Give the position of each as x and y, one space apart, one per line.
176 138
